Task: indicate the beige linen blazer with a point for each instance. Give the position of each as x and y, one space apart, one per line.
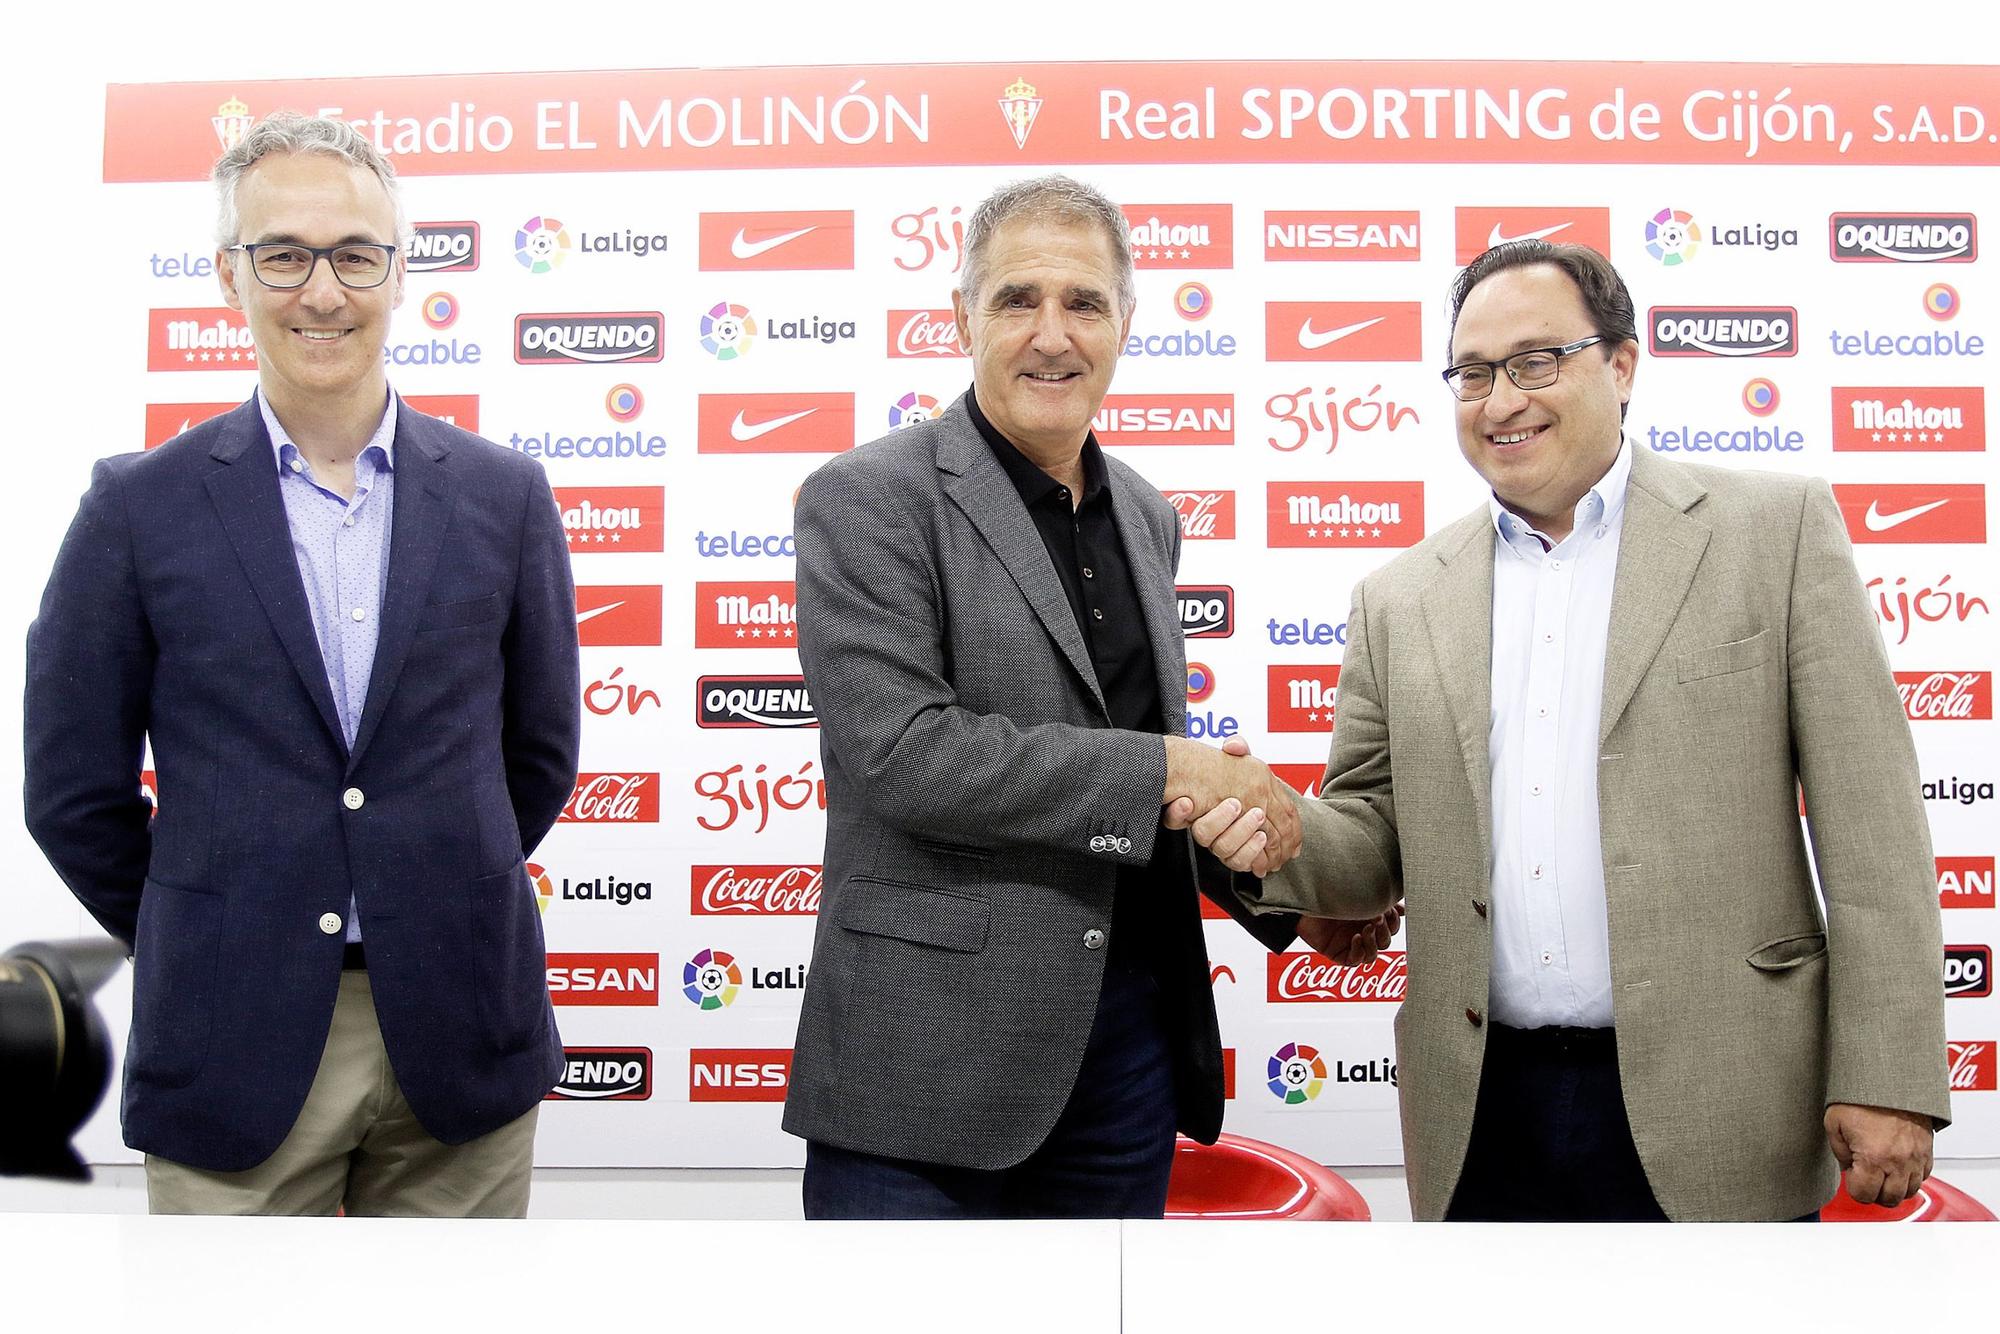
1743 667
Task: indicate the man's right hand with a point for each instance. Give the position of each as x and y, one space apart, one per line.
1235 800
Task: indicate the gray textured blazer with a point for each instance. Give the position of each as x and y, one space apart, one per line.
1743 666
979 804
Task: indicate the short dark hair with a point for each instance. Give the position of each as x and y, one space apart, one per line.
1604 295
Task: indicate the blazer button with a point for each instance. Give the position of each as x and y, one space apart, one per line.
1479 907
1093 939
329 923
352 799
1472 1017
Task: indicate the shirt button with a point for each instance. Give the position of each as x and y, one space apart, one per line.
352 799
1093 939
298 465
1555 565
1548 638
329 923
1089 573
360 613
1535 791
1097 613
1542 712
347 522
1547 958
1537 873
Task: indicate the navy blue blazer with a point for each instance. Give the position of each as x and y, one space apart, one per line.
176 609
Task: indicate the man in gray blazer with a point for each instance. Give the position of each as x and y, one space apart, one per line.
1573 728
1008 1011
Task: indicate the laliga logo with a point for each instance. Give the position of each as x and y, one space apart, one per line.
545 890
711 980
1672 236
541 244
912 408
1296 1074
1018 107
726 331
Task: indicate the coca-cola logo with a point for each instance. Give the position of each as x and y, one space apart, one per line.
614 799
757 891
1972 1067
1292 978
923 333
1946 696
1205 515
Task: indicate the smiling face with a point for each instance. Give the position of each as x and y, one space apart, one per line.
1541 449
1045 335
318 346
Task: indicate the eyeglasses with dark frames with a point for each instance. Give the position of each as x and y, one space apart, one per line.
1537 368
285 265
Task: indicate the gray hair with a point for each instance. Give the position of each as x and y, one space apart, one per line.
1051 198
289 132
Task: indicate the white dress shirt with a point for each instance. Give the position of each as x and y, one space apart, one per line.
1551 622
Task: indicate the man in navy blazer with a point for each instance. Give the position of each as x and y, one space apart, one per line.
348 630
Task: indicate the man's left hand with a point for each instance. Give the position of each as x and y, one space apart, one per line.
1353 943
1885 1152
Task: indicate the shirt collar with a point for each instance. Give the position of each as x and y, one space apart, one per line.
1035 485
1600 505
384 438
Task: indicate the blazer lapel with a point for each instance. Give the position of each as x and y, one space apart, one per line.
1658 552
245 495
980 487
1153 580
424 495
1458 617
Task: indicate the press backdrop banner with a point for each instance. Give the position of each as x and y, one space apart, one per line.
683 290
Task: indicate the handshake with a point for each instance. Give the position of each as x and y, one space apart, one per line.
1232 802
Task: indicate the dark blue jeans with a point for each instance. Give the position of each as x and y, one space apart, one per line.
1550 1139
1108 1156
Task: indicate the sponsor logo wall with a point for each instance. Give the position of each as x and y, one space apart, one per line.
681 292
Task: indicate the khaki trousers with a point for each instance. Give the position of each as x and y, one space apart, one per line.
357 1147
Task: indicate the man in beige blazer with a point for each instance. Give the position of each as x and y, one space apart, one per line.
1573 728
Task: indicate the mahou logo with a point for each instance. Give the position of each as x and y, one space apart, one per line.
923 333
1965 882
604 1074
739 1074
1913 511
604 979
1344 514
205 338
758 614
618 615
754 891
588 339
1903 238
614 799
1206 516
1480 229
1910 419
1946 696
769 241
1166 419
1972 1067
775 423
1300 698
1296 978
1342 234
1343 331
1181 236
443 247
613 518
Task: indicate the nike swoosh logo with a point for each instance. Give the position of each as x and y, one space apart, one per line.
741 429
1878 522
583 616
1310 338
1494 237
744 248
